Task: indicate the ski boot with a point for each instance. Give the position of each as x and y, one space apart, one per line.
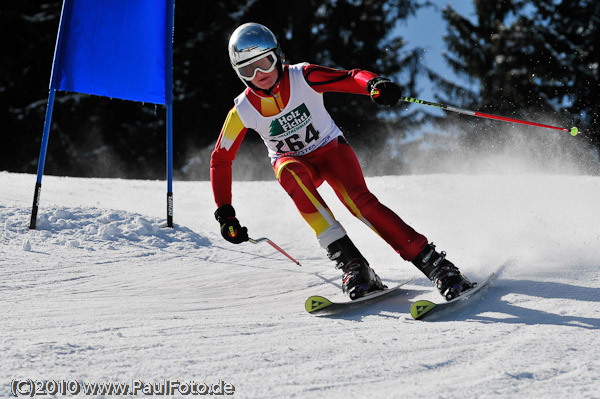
358 278
446 277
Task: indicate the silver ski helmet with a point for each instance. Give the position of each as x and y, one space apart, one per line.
251 42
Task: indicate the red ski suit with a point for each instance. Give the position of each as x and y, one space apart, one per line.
334 162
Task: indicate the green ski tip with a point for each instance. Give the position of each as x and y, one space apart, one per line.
574 131
316 303
419 308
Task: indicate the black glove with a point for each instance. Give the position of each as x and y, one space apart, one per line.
383 91
231 230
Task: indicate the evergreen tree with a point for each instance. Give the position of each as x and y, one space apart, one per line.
486 53
569 32
527 59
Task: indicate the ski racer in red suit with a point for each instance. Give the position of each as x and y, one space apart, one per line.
284 105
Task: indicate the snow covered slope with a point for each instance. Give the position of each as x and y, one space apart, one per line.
103 292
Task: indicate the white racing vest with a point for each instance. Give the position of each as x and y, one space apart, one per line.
303 126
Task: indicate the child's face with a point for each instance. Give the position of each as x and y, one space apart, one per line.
264 80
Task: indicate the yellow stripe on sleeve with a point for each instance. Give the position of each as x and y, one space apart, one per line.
232 128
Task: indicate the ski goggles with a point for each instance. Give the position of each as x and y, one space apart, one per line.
247 70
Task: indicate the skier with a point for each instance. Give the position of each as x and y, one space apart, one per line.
284 104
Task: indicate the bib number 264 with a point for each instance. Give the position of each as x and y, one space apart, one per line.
295 142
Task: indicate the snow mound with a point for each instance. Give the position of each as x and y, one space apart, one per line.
91 228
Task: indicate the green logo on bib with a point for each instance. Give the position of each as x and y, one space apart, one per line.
292 121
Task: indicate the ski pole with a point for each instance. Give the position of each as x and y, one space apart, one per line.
258 240
445 107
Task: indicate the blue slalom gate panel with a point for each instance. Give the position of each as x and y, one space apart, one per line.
114 48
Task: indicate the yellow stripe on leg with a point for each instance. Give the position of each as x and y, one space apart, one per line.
354 208
320 220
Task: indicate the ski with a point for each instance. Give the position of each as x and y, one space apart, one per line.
423 308
321 306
